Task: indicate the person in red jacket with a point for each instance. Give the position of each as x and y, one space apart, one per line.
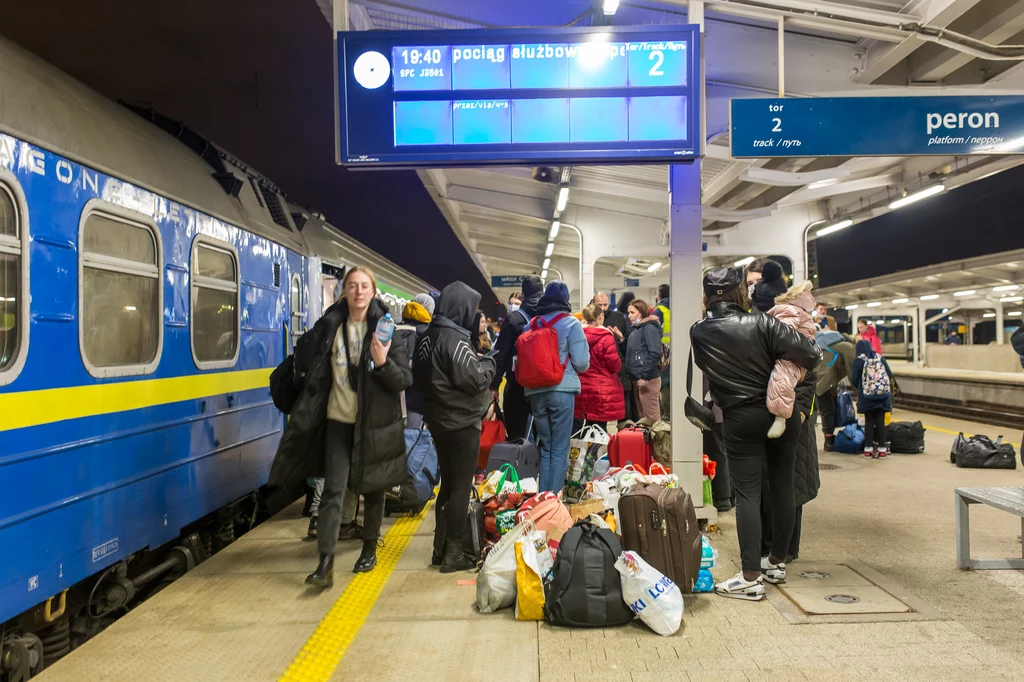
867 333
601 399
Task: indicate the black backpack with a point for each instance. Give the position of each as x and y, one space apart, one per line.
906 438
981 452
586 590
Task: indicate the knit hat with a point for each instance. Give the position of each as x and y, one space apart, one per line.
557 290
426 301
416 312
771 285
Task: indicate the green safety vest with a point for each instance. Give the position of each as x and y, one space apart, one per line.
666 327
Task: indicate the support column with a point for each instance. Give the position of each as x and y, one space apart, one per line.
685 273
920 334
1000 337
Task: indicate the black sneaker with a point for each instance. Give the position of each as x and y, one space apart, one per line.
351 531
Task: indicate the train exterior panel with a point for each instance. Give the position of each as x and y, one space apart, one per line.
94 468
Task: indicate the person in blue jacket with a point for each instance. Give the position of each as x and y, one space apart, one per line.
553 406
872 405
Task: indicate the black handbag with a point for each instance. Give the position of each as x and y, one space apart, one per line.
699 415
981 452
473 541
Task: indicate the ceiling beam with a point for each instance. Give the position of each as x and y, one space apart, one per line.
994 22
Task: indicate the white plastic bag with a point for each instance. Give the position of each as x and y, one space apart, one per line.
652 596
496 584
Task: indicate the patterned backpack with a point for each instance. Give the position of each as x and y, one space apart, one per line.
875 380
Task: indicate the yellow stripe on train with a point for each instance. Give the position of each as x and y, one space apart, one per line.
34 408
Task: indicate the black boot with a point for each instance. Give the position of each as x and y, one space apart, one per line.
367 560
455 559
439 535
311 531
830 443
323 576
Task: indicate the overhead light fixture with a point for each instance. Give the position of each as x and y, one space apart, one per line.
743 262
563 198
818 184
929 297
1011 299
968 292
130 308
610 7
1015 313
897 301
546 265
544 274
945 310
879 321
989 315
551 249
835 227
1006 287
895 321
874 304
852 307
917 196
555 226
654 267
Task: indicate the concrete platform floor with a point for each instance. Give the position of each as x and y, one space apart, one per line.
245 614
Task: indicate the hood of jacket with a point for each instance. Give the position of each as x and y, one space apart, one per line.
651 319
458 304
799 295
415 312
529 305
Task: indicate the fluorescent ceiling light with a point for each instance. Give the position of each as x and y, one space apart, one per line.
929 297
610 7
968 292
897 301
917 196
130 308
895 321
563 198
1006 287
555 226
852 307
945 310
547 263
835 227
654 267
989 315
874 304
1011 299
1015 313
743 262
879 321
818 184
551 249
544 274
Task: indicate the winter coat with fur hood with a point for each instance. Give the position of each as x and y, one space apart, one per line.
793 310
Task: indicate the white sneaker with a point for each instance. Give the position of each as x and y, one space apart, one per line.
738 588
773 573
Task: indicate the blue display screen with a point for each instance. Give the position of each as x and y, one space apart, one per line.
567 95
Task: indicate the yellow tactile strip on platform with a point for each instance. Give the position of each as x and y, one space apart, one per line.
325 648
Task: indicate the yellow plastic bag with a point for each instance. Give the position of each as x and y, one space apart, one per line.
888 418
533 560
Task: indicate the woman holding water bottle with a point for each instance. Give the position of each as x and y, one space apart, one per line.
348 419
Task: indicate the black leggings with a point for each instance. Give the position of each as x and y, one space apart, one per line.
874 428
826 403
517 410
337 463
456 458
749 449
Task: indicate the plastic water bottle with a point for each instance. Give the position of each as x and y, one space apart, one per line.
385 329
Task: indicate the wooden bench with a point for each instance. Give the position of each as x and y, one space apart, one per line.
1008 499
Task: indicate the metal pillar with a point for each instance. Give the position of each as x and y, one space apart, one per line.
1000 336
685 273
920 334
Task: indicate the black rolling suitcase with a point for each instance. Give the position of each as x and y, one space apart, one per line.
906 438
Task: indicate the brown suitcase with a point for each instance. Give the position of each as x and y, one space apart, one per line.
661 525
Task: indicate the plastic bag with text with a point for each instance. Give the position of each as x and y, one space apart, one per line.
652 596
533 564
496 584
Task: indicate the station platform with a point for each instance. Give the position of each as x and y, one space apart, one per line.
245 614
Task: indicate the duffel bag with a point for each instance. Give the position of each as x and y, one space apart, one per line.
850 440
906 438
981 452
585 589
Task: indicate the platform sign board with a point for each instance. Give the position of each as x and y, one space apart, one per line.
607 94
876 126
627 282
507 281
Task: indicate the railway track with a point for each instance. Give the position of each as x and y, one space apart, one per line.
983 413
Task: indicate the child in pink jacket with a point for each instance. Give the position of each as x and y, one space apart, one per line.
792 309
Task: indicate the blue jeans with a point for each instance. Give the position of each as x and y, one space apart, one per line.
552 414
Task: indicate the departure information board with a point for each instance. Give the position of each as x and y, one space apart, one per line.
511 96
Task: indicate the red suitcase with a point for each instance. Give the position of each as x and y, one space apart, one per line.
631 445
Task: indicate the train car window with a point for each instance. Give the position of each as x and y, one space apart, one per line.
12 322
120 306
215 303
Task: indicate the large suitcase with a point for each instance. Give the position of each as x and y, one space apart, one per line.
520 453
661 525
906 438
631 445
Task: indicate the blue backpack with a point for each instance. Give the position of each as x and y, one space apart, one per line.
412 496
850 440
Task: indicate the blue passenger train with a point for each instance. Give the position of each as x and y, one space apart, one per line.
149 283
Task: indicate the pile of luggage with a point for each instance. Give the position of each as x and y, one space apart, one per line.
620 541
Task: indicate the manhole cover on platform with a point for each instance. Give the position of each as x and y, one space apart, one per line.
842 599
827 467
814 575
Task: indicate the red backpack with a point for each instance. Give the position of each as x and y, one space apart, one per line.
537 356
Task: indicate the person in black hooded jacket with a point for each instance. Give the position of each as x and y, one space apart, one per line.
454 382
516 406
346 424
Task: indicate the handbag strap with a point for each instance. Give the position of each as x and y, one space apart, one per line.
507 469
689 375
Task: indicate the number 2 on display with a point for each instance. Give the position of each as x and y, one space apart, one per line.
656 69
778 125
